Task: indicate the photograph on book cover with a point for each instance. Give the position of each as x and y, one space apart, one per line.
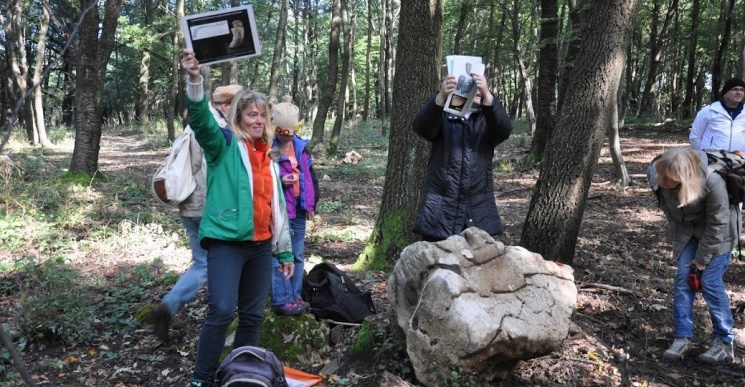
459 102
223 35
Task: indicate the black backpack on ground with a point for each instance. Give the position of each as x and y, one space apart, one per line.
251 367
333 295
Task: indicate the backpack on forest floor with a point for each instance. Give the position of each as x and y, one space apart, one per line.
731 167
251 367
174 181
333 295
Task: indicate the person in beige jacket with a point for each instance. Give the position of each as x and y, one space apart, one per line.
191 215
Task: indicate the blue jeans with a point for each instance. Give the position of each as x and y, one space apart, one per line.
712 289
238 273
193 279
289 290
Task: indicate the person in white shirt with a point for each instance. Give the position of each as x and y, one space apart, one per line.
721 125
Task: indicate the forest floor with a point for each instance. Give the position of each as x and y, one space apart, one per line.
622 269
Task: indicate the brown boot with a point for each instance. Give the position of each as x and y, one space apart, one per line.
161 322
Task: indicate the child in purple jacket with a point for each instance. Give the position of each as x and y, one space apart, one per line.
301 194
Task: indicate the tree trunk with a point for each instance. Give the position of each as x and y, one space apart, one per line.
279 45
41 128
341 101
172 105
614 141
556 208
657 37
547 76
522 67
420 40
329 88
465 10
570 49
19 65
382 95
368 64
311 84
94 50
690 79
726 31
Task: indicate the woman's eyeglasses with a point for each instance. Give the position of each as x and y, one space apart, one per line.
285 132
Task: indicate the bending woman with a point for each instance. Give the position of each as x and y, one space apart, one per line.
703 226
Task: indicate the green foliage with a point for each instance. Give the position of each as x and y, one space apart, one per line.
56 302
290 337
364 343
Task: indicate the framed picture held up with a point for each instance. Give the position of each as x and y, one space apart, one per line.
223 35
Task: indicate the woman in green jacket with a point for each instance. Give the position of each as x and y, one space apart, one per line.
244 225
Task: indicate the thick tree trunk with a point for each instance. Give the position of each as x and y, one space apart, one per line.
341 101
556 208
570 49
327 98
547 77
420 40
94 50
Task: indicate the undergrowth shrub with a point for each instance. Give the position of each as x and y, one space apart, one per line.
56 303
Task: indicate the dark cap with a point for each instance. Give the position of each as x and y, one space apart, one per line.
731 84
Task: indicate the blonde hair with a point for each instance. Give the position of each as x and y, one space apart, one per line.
683 165
241 101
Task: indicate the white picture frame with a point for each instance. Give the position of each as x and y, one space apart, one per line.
459 102
224 35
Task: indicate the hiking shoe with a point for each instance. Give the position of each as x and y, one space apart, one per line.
303 304
288 309
677 350
161 321
199 383
720 352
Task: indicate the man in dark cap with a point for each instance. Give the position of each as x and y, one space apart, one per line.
721 124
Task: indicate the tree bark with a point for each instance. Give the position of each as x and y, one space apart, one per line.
41 128
420 43
19 65
690 79
523 67
341 100
368 63
465 10
279 46
657 37
726 31
90 71
556 208
172 105
547 77
329 89
614 141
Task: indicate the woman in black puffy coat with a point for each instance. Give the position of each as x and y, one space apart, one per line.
459 190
